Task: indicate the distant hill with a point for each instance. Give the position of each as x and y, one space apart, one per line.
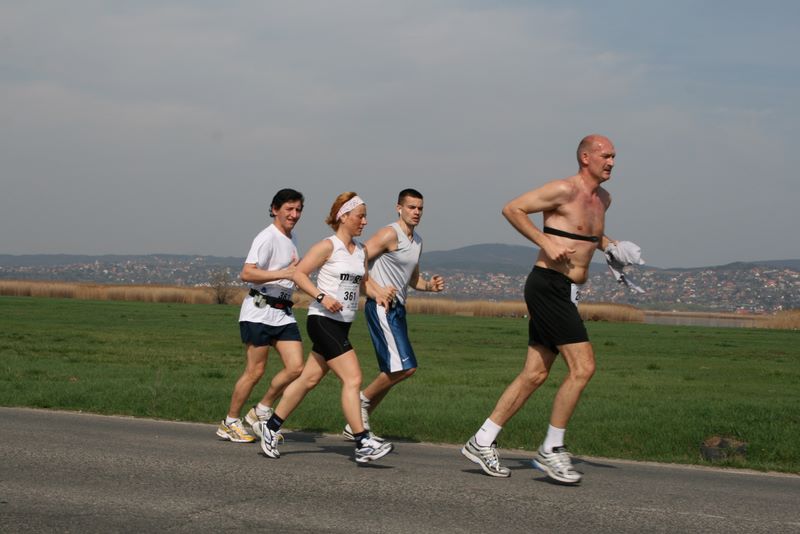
512 259
488 257
488 271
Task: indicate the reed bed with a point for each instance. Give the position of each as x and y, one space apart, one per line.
206 295
783 320
472 308
481 308
84 291
590 311
604 311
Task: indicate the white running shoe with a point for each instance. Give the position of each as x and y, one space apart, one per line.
269 441
349 436
486 457
557 465
253 419
371 450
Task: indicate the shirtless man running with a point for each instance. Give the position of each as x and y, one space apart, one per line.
573 211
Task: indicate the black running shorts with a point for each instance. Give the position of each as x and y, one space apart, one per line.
554 318
329 337
263 335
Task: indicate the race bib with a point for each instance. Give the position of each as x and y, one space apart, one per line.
348 295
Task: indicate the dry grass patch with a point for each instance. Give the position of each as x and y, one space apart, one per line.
482 308
84 291
476 308
206 295
784 320
618 313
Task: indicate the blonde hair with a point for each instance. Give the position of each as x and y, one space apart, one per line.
331 220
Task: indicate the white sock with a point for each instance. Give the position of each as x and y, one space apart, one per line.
487 433
554 438
229 420
364 400
262 409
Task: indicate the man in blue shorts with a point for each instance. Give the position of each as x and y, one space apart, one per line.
266 318
394 253
573 211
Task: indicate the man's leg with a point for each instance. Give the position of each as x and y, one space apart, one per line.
254 370
291 353
481 447
537 366
378 388
231 428
581 364
552 457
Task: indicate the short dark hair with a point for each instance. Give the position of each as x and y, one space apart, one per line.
282 197
413 193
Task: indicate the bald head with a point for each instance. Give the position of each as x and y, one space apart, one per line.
591 142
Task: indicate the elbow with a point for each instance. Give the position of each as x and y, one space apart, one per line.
508 211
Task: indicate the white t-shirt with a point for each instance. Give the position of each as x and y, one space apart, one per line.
270 251
394 268
340 277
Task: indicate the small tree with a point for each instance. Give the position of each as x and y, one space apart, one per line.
222 286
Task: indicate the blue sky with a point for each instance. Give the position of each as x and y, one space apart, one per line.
166 127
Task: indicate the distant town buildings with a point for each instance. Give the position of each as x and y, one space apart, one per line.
743 287
746 289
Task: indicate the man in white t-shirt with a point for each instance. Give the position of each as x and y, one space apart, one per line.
266 319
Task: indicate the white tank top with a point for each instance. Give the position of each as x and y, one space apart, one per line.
396 267
340 277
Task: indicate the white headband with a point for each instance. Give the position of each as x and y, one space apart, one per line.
349 206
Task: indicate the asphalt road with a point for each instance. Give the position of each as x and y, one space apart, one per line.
70 472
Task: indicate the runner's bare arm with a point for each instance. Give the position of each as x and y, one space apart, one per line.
252 274
384 240
546 198
312 261
435 284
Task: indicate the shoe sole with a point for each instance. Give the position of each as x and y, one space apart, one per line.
380 454
227 437
552 474
270 453
472 458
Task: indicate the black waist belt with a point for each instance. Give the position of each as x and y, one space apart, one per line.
562 233
273 302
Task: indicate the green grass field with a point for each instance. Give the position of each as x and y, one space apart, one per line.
659 391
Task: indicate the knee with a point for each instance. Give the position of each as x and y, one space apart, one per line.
309 381
582 373
294 370
399 376
253 373
534 377
352 382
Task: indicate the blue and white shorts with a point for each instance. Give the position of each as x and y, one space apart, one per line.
389 334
